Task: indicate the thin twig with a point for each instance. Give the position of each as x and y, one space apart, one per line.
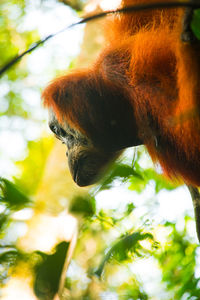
132 8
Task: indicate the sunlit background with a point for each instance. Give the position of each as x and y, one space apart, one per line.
163 266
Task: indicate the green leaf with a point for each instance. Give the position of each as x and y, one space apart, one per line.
130 208
9 256
118 171
48 272
120 249
4 218
138 184
83 205
12 196
195 24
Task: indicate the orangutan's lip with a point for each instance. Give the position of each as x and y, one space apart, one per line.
79 177
75 173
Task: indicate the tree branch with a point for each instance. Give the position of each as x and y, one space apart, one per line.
133 8
74 4
194 192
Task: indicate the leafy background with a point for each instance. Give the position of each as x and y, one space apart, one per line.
136 232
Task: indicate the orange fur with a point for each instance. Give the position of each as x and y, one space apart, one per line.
145 58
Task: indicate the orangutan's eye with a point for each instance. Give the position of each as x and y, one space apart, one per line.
62 132
54 129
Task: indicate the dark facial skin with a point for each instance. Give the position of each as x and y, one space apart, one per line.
86 162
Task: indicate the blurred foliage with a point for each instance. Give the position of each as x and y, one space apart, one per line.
123 249
48 272
83 205
32 167
195 24
145 176
177 261
12 40
16 116
11 201
137 176
9 258
111 242
100 252
11 196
